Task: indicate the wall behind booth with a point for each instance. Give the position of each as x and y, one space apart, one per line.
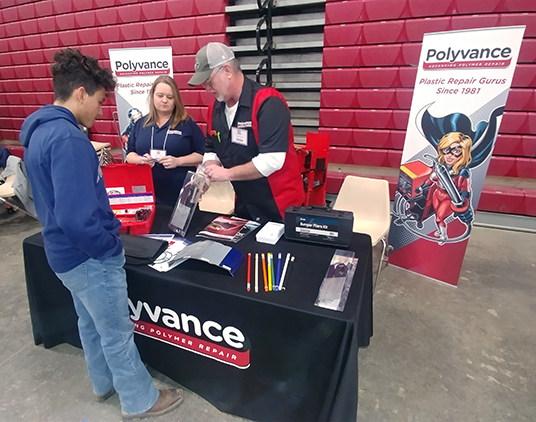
371 49
371 53
31 32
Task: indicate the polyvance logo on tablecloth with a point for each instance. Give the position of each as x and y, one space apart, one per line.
186 332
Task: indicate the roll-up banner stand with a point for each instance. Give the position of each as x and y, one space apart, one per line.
461 89
135 70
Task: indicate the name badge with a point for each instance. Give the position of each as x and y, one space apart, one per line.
239 136
157 154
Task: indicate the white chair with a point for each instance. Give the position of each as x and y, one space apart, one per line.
103 151
368 199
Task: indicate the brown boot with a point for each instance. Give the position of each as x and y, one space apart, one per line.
167 401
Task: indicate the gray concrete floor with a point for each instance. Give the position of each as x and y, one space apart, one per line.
438 353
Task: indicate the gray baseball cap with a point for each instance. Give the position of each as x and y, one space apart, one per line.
209 57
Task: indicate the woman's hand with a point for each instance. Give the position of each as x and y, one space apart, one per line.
147 159
170 162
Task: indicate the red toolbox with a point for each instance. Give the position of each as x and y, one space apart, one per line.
131 193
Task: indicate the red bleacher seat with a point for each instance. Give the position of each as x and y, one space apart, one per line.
108 16
8 72
526 168
381 77
385 9
42 98
335 35
211 24
150 11
19 57
109 3
339 155
502 199
203 40
515 145
68 38
207 7
184 63
338 98
205 98
36 56
43 8
478 6
519 5
184 45
14 29
107 112
157 42
407 76
382 55
47 24
416 28
517 122
528 19
26 11
375 98
521 100
91 50
16 43
502 166
10 14
403 98
371 138
338 136
182 80
384 32
129 13
134 44
346 56
103 126
29 27
179 8
64 22
181 27
189 98
340 78
411 53
62 6
85 19
197 113
400 119
133 31
50 39
374 119
475 21
158 29
88 36
337 118
110 33
418 8
41 85
32 42
529 202
527 53
344 12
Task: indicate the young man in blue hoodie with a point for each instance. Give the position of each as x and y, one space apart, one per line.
80 233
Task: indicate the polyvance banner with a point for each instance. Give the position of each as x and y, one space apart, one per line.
135 70
461 89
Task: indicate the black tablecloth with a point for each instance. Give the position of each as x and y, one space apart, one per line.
301 359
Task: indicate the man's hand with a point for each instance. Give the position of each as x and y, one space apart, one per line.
217 173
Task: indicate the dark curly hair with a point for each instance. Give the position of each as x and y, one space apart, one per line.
71 70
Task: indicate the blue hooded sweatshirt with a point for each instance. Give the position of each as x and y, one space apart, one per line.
68 188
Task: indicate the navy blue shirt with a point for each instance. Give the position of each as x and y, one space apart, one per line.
182 140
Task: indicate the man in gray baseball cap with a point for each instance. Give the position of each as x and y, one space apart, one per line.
209 57
249 140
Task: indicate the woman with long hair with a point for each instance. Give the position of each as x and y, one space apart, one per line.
167 139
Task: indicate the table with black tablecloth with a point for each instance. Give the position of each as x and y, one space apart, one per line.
301 359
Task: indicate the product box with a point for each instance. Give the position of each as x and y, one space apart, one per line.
131 193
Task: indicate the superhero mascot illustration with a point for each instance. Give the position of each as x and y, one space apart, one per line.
133 115
447 189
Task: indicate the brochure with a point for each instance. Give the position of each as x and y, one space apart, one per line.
208 251
227 228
